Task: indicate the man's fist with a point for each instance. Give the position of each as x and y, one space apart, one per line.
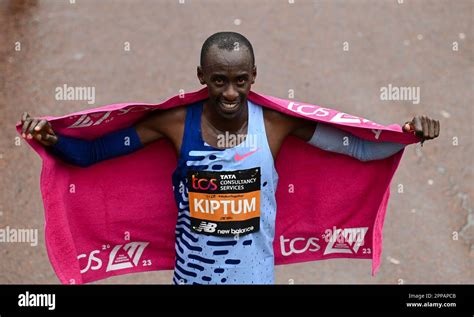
423 127
38 129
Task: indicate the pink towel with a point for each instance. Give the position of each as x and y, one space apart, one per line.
118 216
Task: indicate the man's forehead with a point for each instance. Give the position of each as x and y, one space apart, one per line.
222 59
223 68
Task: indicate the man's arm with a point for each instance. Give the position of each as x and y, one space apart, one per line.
332 139
85 153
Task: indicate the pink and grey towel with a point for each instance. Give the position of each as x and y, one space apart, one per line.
118 216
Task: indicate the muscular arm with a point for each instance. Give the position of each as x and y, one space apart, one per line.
148 128
278 126
84 153
154 126
325 137
330 138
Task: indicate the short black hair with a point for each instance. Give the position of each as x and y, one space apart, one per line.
226 40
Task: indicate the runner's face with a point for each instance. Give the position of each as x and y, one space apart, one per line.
228 76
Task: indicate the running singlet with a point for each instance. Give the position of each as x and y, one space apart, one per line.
226 206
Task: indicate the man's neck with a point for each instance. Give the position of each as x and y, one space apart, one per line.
222 124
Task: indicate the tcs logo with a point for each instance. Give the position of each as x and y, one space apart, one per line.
204 183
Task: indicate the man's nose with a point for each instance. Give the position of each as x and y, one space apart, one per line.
230 94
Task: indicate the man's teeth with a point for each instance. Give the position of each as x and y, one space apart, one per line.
229 105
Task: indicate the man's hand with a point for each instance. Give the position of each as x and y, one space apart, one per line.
423 127
38 129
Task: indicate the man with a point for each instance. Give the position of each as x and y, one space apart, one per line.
248 179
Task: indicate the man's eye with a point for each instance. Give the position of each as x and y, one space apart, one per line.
219 81
241 81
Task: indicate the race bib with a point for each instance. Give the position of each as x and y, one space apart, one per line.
224 203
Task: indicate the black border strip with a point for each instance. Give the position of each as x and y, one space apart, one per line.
259 298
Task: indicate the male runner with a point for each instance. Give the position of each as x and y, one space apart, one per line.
207 170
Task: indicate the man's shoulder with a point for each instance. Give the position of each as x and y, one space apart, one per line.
272 115
165 121
174 114
276 117
287 124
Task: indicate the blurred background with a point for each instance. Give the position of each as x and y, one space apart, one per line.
337 54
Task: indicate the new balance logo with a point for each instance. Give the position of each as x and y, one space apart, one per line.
209 227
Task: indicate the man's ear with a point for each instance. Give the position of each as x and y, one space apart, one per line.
200 75
254 74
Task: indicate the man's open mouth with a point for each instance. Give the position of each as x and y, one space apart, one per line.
229 107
